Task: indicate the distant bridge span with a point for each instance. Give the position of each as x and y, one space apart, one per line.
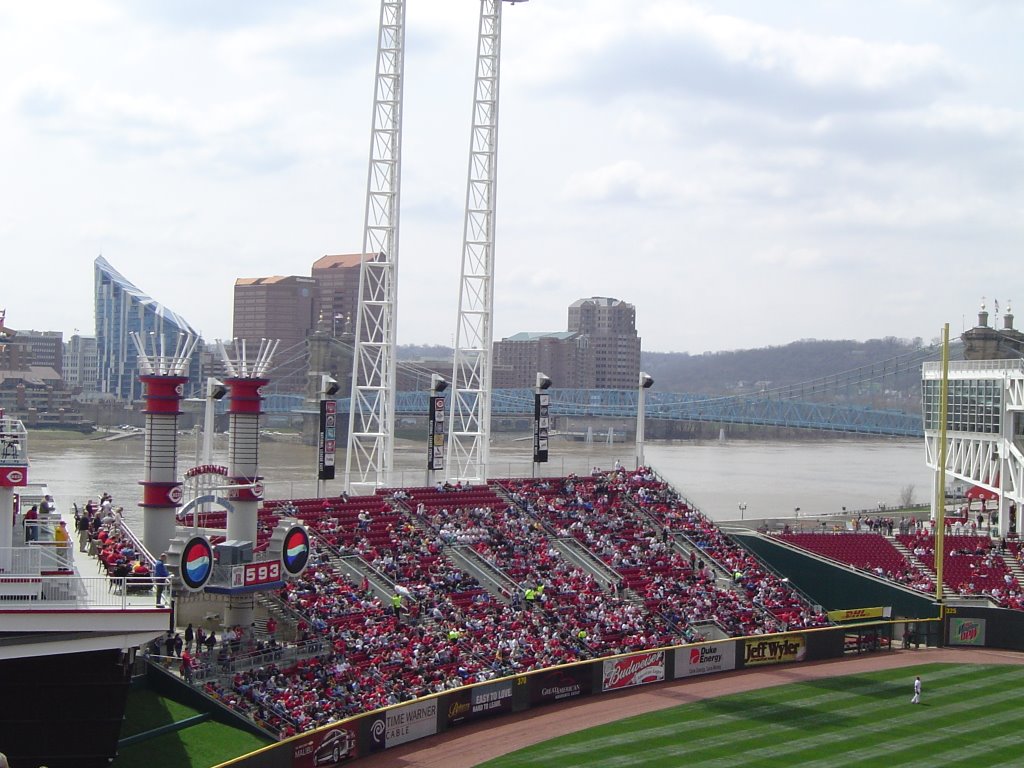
617 403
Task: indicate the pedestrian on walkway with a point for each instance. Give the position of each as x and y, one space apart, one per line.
160 577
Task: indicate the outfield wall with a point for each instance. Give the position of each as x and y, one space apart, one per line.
983 627
383 729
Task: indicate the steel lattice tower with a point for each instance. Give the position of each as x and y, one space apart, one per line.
469 439
371 425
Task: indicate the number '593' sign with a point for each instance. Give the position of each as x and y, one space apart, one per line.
251 574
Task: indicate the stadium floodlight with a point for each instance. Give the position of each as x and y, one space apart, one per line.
645 383
215 389
328 386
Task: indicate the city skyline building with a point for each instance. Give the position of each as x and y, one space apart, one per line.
610 325
337 289
81 365
565 356
28 348
600 350
277 308
123 309
293 308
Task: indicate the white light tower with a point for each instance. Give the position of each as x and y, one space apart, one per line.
371 425
646 382
470 431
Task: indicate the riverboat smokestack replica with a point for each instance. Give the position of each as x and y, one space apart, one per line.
163 377
244 382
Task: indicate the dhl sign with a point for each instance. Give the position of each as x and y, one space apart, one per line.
857 614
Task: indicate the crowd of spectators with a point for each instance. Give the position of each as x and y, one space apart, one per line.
513 539
972 565
871 552
633 521
674 574
441 629
100 531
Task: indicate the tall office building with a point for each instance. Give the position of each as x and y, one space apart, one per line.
81 365
565 356
121 309
610 325
34 348
337 293
600 350
277 308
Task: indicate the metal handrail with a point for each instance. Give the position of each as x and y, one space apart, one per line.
71 592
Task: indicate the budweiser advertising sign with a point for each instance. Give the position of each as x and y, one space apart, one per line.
634 670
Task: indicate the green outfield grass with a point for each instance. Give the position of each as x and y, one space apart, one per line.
198 746
970 715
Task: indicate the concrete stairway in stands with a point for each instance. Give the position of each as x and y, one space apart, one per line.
498 583
573 551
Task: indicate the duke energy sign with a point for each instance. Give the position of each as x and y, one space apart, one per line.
705 659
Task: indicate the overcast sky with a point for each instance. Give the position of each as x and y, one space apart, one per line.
746 173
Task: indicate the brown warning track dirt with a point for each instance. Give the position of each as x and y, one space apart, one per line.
474 744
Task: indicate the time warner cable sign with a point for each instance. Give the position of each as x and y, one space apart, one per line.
401 724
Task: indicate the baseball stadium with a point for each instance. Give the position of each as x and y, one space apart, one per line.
603 619
595 619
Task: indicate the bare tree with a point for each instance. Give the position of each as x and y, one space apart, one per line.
907 496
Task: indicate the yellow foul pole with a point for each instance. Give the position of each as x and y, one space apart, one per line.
940 486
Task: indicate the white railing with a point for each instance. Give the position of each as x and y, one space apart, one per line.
57 593
35 558
13 442
932 370
524 468
54 556
20 561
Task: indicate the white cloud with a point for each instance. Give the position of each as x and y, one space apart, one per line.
623 182
684 157
812 59
790 258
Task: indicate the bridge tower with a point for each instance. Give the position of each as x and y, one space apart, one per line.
470 435
371 425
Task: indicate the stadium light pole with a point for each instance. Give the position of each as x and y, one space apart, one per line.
646 382
328 388
541 423
435 426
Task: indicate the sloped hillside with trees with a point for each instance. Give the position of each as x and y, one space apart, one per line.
888 363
